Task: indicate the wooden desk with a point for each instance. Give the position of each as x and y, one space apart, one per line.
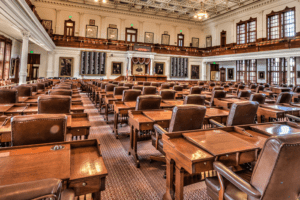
79 164
278 90
108 104
35 100
266 112
195 151
23 99
173 102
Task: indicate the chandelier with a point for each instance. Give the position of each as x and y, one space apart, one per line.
201 14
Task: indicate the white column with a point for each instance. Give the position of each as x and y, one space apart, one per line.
158 35
57 26
103 27
203 71
24 58
122 29
288 65
151 64
50 66
81 30
129 64
141 31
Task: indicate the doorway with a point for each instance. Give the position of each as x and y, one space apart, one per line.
33 65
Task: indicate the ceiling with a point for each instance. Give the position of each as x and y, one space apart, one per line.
180 9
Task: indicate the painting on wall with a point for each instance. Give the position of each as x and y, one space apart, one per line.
139 69
261 75
47 24
66 67
92 22
159 68
116 68
208 41
195 42
91 31
195 72
149 37
230 75
112 33
165 39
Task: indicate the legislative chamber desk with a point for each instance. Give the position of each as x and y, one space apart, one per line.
79 164
153 78
266 113
195 151
226 103
78 125
140 121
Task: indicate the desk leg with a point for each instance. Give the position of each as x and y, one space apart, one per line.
96 195
106 112
170 187
179 182
116 121
133 146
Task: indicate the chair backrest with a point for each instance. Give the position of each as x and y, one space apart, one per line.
212 84
64 86
171 84
178 87
276 173
103 85
165 86
217 94
147 83
140 83
242 113
109 88
138 88
41 86
195 90
201 83
194 99
284 97
54 104
184 86
167 94
34 87
244 93
121 84
130 95
9 96
253 86
148 102
115 82
119 90
149 90
258 97
187 117
61 92
260 88
36 129
240 87
155 84
217 88
24 90
297 90
129 85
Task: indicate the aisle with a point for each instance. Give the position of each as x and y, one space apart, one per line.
125 181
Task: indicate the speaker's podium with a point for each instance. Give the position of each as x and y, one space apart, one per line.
146 77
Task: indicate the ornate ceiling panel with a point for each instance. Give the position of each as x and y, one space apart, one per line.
181 9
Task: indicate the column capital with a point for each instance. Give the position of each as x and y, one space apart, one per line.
57 10
122 20
81 13
26 34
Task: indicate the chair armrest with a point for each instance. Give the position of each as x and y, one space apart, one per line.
31 190
293 117
236 180
216 123
159 131
207 102
69 137
68 194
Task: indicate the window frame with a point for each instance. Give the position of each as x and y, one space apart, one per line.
131 34
247 33
72 33
179 39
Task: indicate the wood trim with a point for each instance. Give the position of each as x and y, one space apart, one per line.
136 34
178 39
223 35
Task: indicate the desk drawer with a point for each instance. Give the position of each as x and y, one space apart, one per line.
78 131
87 185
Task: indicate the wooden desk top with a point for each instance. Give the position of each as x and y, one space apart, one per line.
276 129
216 112
5 107
23 99
281 107
174 102
130 104
160 115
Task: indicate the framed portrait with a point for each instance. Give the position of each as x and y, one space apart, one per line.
139 69
47 24
208 41
116 68
159 68
195 72
230 73
66 67
149 37
165 39
261 75
195 42
91 31
92 22
112 33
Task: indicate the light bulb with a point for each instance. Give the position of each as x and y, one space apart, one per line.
96 0
104 1
195 16
200 17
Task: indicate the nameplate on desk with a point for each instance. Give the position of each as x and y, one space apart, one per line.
141 48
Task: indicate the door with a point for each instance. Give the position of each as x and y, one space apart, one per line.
222 74
223 39
180 40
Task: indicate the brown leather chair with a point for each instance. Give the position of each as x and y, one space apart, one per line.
37 190
194 99
138 88
167 94
61 92
54 104
121 84
284 97
196 90
217 88
103 85
178 87
239 88
24 90
130 95
165 86
9 96
275 175
149 90
148 102
297 90
129 85
119 90
147 83
109 88
184 86
115 82
41 86
40 128
244 93
260 88
140 83
240 113
258 97
34 87
185 117
171 84
201 83
218 94
155 84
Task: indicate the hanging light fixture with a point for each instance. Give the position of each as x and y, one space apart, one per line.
201 14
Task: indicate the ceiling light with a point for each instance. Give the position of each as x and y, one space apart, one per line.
96 0
104 1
